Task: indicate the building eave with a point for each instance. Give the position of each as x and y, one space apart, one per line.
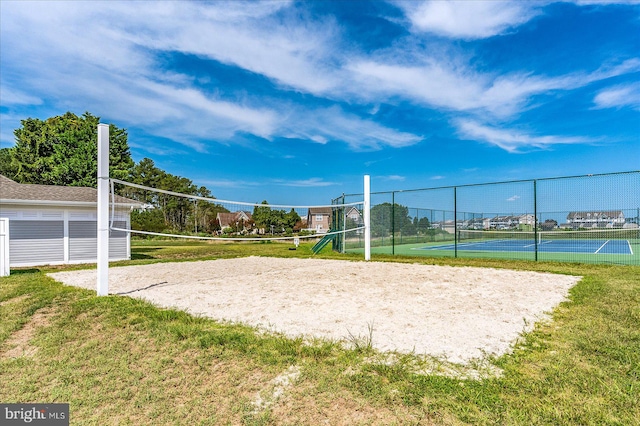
57 203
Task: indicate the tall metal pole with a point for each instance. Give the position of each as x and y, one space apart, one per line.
393 223
367 217
455 221
535 219
103 210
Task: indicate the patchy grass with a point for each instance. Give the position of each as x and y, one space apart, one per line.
118 360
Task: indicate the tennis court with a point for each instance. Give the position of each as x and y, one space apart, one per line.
592 242
551 246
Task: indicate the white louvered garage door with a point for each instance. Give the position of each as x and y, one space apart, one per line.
82 240
36 242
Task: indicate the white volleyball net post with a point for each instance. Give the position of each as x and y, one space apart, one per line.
103 210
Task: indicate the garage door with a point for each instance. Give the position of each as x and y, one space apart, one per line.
36 242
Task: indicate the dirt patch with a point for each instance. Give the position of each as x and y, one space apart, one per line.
306 406
15 300
456 313
19 343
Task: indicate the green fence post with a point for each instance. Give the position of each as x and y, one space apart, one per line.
535 219
455 221
393 223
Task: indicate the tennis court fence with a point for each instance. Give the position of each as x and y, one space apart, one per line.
589 218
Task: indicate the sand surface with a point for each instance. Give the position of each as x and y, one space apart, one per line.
460 313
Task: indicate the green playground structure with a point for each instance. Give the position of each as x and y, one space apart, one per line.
323 242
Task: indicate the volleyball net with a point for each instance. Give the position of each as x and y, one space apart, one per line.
160 213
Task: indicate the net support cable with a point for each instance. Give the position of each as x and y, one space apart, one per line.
197 237
219 201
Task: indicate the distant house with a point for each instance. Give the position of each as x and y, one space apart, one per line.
504 222
319 219
595 219
512 221
240 221
549 225
354 214
51 225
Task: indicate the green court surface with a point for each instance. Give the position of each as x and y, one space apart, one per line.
437 249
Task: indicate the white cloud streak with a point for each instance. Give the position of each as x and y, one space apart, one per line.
512 140
333 124
108 58
468 19
626 95
460 88
307 183
110 54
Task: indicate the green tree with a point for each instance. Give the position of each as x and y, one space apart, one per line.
421 225
290 220
275 221
62 150
6 166
386 217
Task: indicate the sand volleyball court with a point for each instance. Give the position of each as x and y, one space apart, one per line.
459 313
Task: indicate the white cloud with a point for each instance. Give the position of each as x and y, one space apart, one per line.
605 2
290 52
468 19
307 183
88 60
391 178
460 88
627 95
12 96
514 198
226 183
109 52
512 140
106 60
333 124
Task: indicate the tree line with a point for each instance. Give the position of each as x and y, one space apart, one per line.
387 218
62 150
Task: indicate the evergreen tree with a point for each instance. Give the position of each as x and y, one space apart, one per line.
62 150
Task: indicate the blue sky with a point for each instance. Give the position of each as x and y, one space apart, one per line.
293 102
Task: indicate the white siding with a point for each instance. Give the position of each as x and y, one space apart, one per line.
36 242
58 235
83 245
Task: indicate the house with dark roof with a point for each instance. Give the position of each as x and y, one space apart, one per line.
240 221
51 224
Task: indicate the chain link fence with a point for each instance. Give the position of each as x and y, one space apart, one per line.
587 219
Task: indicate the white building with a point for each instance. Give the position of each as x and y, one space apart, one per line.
58 224
596 219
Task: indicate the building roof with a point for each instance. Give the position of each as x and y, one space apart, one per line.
226 219
320 210
595 214
26 193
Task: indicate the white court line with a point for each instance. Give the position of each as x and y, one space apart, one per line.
630 249
602 246
539 244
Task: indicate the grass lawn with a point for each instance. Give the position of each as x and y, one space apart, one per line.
118 360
